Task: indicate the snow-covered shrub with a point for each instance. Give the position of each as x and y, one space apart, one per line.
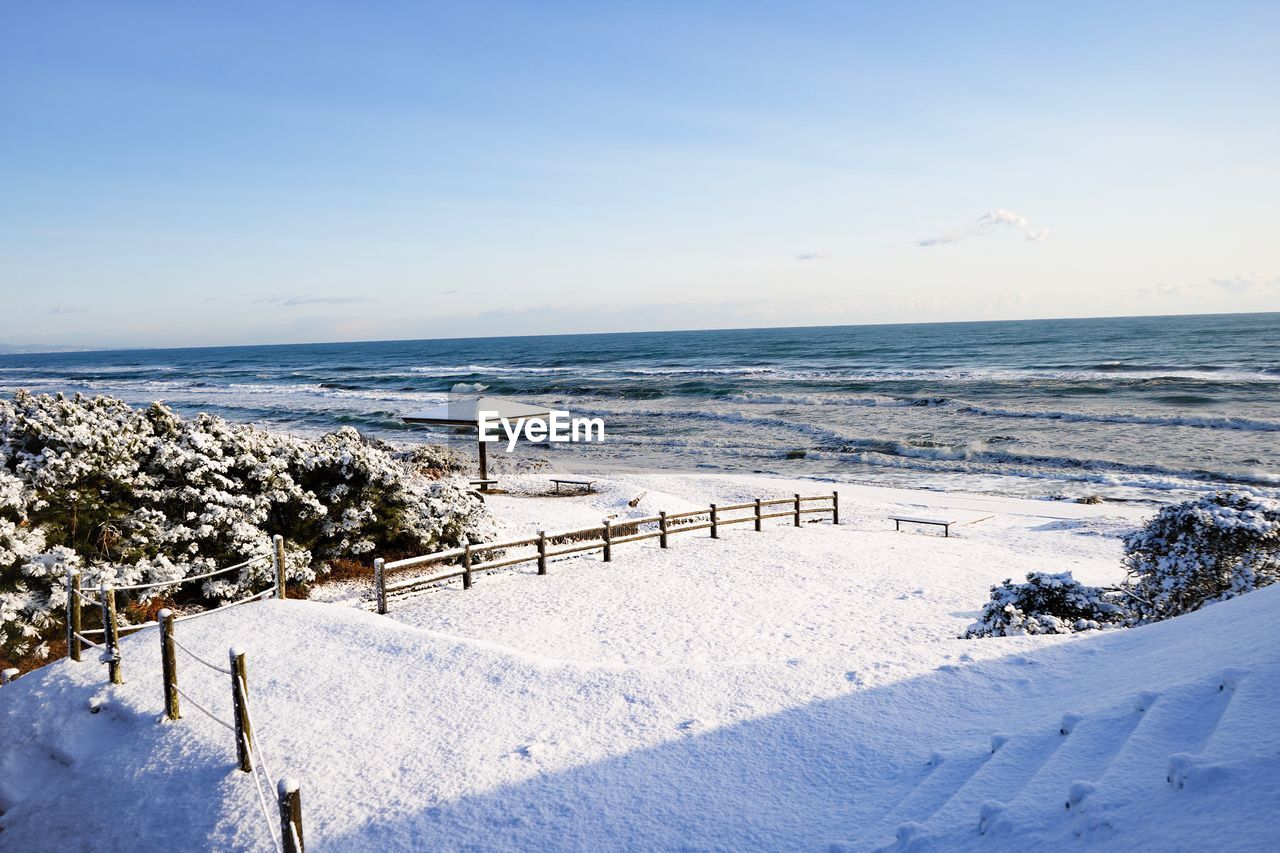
436 461
140 496
1046 604
1201 551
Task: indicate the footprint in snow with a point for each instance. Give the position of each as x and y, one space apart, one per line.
531 750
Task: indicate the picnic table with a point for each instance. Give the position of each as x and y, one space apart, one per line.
589 485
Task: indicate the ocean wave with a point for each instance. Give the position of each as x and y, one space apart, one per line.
1120 479
468 369
1195 421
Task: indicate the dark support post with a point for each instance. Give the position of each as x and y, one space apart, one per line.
797 510
835 507
715 531
239 703
542 552
111 633
277 557
466 567
608 542
380 584
289 793
73 614
484 462
662 529
758 519
168 664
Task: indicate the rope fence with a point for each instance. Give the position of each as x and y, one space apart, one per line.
250 756
466 561
287 836
112 630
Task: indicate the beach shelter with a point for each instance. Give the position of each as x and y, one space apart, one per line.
466 413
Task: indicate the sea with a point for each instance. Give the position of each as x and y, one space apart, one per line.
1132 408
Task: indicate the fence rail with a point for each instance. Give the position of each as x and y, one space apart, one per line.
603 538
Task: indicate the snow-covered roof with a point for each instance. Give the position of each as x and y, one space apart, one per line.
467 412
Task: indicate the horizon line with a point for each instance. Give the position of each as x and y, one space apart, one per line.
56 349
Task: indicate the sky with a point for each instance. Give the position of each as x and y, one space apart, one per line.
180 173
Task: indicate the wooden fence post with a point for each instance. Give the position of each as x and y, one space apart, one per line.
111 633
835 507
168 664
466 567
608 542
542 552
715 531
239 703
289 794
797 510
7 675
73 614
758 519
380 584
277 557
662 529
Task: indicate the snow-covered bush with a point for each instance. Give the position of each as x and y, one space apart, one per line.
140 496
1046 604
1201 551
436 461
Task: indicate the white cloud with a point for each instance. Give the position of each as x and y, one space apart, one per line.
294 301
68 309
1245 282
988 222
812 256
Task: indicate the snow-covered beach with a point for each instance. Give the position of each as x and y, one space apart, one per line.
788 689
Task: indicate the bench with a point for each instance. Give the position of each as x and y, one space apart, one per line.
944 523
589 485
483 484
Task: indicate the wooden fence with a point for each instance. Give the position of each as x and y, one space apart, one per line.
466 561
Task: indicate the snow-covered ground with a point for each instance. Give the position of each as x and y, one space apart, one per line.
791 689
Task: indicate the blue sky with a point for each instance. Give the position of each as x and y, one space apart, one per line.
183 173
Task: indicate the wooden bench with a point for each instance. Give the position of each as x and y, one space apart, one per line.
589 485
944 523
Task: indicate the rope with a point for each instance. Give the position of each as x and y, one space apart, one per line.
200 659
262 801
130 628
177 581
91 642
203 709
141 625
243 690
253 745
255 597
86 597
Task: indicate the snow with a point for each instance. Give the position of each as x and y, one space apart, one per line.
790 689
